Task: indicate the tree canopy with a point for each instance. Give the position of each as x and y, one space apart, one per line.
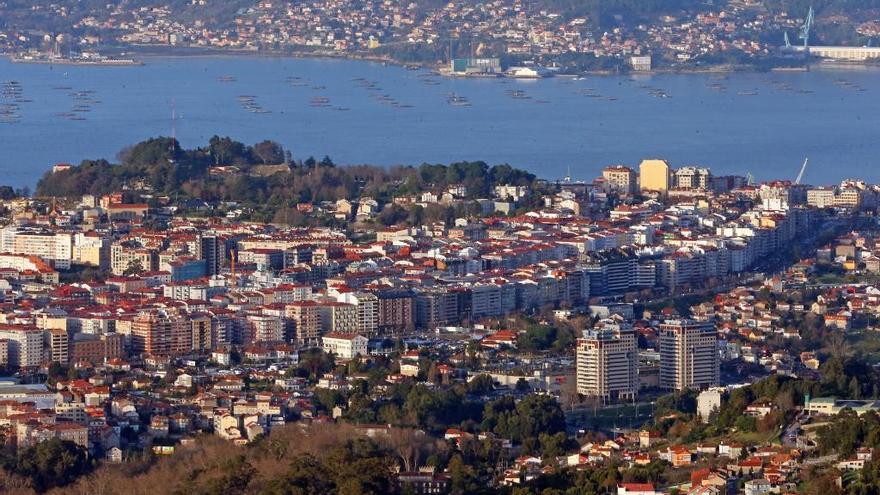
160 165
50 464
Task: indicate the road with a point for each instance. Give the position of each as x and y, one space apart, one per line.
789 434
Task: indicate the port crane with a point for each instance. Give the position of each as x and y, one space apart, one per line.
800 174
805 29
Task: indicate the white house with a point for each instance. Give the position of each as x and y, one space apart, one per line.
758 486
345 346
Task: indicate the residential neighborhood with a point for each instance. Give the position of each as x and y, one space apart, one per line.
667 320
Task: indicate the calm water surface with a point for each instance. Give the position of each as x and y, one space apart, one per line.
360 112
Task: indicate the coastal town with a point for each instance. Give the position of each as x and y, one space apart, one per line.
658 329
548 34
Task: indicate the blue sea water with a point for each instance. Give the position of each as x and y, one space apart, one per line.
762 123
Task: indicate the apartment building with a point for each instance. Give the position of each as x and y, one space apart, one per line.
434 308
688 355
821 198
337 317
264 328
125 255
492 298
24 345
848 197
89 248
212 249
306 317
57 346
55 248
160 333
96 349
654 176
607 362
693 178
396 313
621 178
367 311
202 331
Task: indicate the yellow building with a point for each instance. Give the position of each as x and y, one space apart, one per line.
654 175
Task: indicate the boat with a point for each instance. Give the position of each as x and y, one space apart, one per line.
227 79
747 93
458 101
320 101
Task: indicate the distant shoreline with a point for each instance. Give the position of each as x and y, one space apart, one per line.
144 53
108 63
140 54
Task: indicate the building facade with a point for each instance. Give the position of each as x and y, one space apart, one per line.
654 176
688 355
607 362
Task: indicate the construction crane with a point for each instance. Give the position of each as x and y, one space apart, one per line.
805 29
801 173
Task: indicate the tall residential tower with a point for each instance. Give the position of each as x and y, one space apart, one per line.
607 361
688 355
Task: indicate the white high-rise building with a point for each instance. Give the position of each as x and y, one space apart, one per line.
25 345
55 248
607 361
688 355
367 311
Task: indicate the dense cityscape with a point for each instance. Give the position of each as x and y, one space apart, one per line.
585 307
592 35
230 319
